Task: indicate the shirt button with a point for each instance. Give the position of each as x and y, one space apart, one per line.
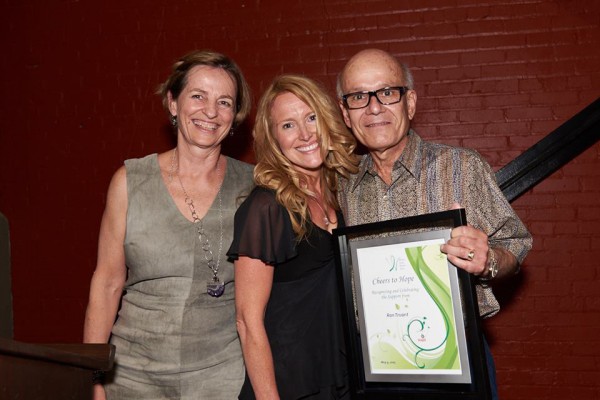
385 196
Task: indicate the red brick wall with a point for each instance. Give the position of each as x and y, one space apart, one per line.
78 81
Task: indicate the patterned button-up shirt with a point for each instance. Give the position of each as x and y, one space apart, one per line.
430 177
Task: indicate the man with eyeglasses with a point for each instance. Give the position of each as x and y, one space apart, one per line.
403 175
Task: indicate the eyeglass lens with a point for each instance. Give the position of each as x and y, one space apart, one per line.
386 96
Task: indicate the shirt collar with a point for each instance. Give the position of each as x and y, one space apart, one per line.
412 154
409 159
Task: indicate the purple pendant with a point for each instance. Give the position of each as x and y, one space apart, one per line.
214 287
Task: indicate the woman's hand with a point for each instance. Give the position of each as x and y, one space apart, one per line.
99 393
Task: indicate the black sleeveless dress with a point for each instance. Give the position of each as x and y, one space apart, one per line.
303 316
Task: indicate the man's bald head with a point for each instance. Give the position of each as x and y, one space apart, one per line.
369 57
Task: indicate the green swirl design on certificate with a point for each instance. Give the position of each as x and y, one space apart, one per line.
411 320
429 263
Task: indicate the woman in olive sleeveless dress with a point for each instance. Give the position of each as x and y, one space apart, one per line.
161 253
171 336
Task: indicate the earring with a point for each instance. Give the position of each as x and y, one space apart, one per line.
174 120
231 132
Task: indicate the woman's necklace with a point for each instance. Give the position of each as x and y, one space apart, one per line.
325 211
214 286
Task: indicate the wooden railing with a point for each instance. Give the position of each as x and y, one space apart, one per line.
551 153
51 371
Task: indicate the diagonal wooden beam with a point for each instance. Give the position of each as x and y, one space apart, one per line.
551 153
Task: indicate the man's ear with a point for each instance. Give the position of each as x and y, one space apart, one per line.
411 103
345 114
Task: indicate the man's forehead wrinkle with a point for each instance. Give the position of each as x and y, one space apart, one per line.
360 69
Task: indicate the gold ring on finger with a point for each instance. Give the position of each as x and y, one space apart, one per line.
471 255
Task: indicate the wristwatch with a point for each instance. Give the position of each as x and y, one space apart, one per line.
492 269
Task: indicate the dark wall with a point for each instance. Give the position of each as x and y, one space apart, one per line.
78 83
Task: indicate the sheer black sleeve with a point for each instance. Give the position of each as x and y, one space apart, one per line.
262 230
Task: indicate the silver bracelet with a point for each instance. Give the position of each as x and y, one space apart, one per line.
492 266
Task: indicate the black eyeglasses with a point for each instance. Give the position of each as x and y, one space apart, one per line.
385 96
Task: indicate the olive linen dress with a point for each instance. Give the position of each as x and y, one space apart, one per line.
173 340
303 314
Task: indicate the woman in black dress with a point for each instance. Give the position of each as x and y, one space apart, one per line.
287 300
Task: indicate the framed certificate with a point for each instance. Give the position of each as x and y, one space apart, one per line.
411 318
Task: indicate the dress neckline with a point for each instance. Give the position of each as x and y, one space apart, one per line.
166 192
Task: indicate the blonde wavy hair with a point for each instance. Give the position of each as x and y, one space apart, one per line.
274 171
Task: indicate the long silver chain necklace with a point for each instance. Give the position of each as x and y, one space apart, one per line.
214 286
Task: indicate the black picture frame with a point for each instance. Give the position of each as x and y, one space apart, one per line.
360 250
